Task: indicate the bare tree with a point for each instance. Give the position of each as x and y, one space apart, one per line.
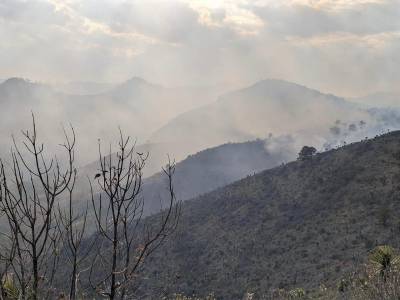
72 229
29 193
125 238
7 254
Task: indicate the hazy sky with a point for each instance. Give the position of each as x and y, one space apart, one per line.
340 46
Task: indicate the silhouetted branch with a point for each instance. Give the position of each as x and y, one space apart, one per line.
127 240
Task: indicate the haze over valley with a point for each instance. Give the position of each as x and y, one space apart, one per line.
190 150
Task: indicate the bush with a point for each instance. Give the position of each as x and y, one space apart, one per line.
380 277
10 289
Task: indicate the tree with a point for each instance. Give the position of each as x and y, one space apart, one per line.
36 203
125 240
29 193
7 254
72 228
306 153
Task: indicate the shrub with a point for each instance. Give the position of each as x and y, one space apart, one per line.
297 293
10 289
382 259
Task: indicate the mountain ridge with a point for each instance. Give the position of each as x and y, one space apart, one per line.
304 224
269 106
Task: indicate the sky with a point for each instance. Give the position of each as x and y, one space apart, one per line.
344 47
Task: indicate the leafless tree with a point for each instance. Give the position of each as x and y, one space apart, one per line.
72 229
125 238
29 192
7 254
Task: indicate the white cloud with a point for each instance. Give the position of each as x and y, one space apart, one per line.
235 15
203 41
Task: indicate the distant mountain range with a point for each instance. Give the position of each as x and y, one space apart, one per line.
183 121
268 107
305 224
137 106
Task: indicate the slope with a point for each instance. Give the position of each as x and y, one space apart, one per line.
303 224
204 171
269 106
213 168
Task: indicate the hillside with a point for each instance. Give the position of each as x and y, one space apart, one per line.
281 109
303 224
269 106
204 171
213 168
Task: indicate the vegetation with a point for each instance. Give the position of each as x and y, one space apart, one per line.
365 283
124 242
320 228
307 152
44 249
211 169
307 224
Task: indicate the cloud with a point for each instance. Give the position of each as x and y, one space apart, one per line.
34 12
329 45
309 18
232 14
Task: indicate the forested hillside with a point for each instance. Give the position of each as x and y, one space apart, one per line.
213 168
303 224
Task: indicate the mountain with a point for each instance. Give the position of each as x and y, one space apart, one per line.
304 224
269 106
22 89
204 171
136 105
18 98
171 121
213 168
291 114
